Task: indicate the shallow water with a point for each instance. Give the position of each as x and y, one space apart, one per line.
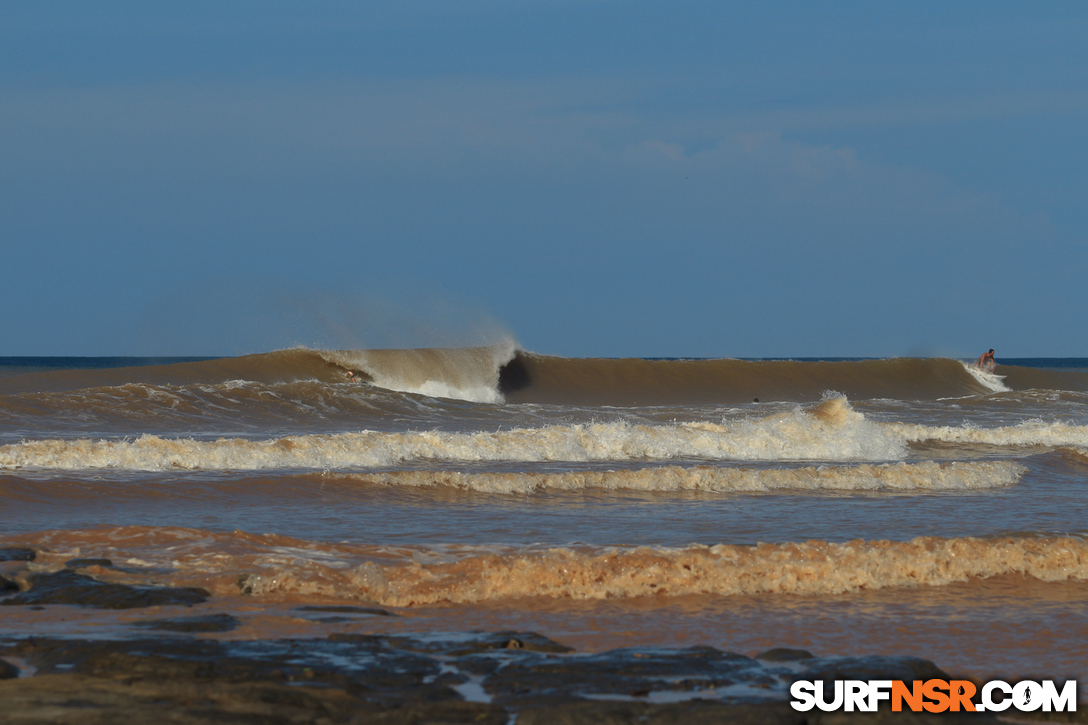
705 518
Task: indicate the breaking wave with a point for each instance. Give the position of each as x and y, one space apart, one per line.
462 373
987 380
502 372
459 373
811 568
276 567
831 430
1027 434
1079 454
927 475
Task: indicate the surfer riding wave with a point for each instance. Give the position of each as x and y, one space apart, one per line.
986 362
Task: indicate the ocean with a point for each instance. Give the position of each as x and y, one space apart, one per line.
848 507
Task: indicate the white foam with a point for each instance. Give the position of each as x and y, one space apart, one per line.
470 373
1027 434
831 432
927 475
808 568
402 576
987 380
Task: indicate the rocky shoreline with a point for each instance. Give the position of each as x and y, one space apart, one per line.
173 670
499 678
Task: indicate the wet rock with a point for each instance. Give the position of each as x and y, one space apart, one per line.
886 717
16 553
400 679
332 620
783 654
373 640
373 611
683 713
75 700
697 671
715 713
84 563
872 668
193 680
242 661
205 623
7 670
68 587
457 646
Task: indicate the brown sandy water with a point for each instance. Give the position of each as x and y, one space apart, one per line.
918 509
1006 627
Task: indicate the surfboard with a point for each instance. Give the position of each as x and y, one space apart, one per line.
990 380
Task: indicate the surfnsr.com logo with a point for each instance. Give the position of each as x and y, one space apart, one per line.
934 695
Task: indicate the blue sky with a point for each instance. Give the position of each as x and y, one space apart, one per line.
593 178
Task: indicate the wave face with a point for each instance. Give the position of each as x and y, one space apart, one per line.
538 378
459 373
489 482
501 373
463 373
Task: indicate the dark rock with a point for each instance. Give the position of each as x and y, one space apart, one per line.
272 682
872 668
886 717
106 701
204 623
7 586
374 611
483 663
8 671
373 640
361 678
681 713
482 642
83 563
68 587
783 654
713 713
542 680
17 553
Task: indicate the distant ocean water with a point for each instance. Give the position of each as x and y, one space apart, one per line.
846 506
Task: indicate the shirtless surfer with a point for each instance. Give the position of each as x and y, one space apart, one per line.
986 362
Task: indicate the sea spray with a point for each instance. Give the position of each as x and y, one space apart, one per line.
470 373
